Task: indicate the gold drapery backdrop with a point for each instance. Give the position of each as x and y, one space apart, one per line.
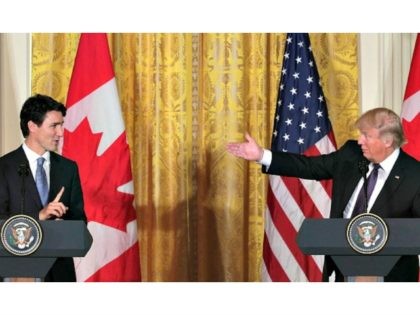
184 96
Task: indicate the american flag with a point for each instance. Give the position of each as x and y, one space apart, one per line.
301 125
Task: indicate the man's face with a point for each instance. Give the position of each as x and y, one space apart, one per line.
374 148
47 136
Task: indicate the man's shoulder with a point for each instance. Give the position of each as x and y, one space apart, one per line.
13 156
408 160
61 159
350 144
351 147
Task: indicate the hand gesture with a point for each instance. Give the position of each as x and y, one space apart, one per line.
248 150
54 209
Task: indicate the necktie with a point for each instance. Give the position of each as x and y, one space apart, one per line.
361 200
41 181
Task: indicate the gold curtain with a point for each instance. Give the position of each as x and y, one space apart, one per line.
184 96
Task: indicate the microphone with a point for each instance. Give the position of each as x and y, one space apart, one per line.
23 172
363 169
23 169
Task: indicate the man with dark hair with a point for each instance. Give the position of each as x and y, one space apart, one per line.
396 193
53 190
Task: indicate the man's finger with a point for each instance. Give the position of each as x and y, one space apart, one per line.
248 137
60 193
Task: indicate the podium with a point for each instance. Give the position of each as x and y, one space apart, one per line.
61 238
328 237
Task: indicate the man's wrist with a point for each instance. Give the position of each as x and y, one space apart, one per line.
265 158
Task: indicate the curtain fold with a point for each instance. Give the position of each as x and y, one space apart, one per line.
184 96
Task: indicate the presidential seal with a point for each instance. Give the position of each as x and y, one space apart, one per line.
21 235
367 233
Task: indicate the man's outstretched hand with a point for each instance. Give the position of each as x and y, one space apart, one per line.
248 150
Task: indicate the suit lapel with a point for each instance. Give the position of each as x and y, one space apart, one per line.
31 192
55 172
391 185
352 179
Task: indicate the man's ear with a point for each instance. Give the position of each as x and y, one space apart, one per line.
389 141
32 126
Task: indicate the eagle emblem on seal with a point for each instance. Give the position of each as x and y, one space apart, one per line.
22 236
368 235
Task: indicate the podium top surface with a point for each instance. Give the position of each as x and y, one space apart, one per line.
61 238
328 237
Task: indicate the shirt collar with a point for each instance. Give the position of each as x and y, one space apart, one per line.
32 156
389 162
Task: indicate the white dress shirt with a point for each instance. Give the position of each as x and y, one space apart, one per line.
383 173
32 157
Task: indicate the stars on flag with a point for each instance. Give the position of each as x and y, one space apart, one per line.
301 123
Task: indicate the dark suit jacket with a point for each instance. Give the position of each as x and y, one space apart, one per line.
63 172
399 198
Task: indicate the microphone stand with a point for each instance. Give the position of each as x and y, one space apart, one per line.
363 167
23 173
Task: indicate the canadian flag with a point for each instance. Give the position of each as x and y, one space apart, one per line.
94 137
411 106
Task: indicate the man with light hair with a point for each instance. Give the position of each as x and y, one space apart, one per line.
396 193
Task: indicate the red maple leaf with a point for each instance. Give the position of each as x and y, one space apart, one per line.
102 175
